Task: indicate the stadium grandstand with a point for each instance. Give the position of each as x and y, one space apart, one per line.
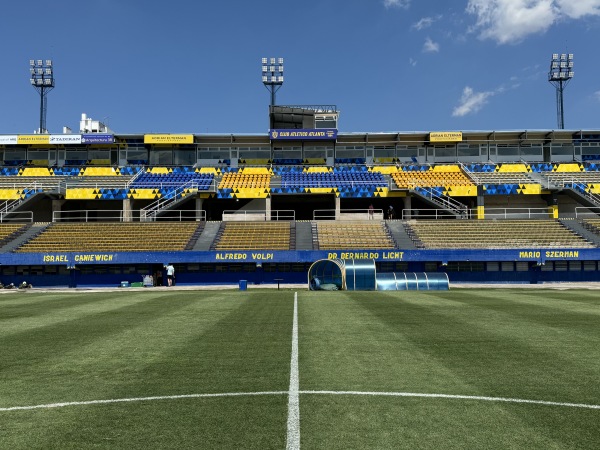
96 209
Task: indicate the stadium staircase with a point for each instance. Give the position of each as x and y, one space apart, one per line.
541 180
195 236
444 202
304 236
27 234
400 235
29 194
163 204
205 240
579 228
585 198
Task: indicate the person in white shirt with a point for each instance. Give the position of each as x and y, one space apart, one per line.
170 274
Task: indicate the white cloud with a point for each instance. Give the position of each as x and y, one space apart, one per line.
511 21
597 95
471 102
412 62
579 8
396 3
425 22
431 47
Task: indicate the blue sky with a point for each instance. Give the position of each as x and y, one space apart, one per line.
388 65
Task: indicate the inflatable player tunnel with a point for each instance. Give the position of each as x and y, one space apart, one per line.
361 275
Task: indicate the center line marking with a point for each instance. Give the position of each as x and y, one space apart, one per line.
293 422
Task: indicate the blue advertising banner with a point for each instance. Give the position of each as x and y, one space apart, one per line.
97 139
539 256
309 134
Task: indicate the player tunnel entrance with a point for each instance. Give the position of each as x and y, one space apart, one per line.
361 275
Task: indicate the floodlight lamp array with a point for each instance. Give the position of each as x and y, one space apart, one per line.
41 73
561 67
272 71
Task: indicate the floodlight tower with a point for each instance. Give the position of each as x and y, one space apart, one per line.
272 75
561 72
42 79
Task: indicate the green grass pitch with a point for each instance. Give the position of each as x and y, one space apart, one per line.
361 358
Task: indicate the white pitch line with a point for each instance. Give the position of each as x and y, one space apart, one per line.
293 422
456 397
141 399
247 394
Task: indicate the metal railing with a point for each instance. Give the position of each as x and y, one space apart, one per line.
326 184
443 201
590 213
87 184
88 215
180 215
99 215
17 216
432 213
516 213
259 215
489 214
151 211
348 214
9 205
136 176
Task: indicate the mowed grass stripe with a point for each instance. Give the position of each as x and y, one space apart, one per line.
42 310
344 346
495 355
501 355
572 301
248 422
343 422
190 343
182 343
449 339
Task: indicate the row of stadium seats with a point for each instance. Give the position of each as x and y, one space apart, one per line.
202 181
121 236
494 234
254 236
368 234
430 179
280 235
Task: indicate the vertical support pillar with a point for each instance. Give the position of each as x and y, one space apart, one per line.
268 208
480 203
198 207
337 208
406 214
127 206
56 207
553 207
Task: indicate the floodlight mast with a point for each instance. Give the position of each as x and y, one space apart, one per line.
42 79
272 75
561 72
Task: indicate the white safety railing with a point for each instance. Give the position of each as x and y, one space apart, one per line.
444 201
151 211
489 213
434 213
516 213
98 215
136 176
348 214
180 215
327 184
258 215
34 187
589 213
88 215
91 184
16 216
